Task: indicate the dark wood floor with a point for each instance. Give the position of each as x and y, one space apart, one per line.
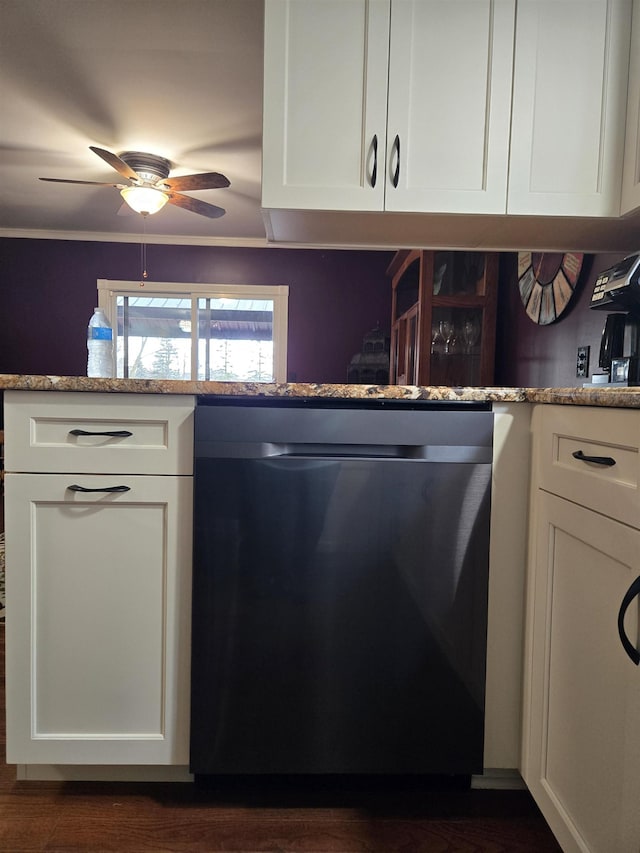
249 818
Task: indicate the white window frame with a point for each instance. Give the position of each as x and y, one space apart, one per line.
108 292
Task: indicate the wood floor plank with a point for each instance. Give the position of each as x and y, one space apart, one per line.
26 823
224 837
249 816
200 834
142 824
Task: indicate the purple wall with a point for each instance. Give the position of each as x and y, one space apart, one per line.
533 356
48 291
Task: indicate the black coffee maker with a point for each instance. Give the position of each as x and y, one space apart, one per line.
617 289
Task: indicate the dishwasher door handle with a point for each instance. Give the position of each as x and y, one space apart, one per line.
427 454
339 456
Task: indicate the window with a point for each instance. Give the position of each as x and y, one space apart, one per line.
167 330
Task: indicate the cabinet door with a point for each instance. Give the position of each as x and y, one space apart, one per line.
631 171
98 634
569 103
449 105
325 97
581 738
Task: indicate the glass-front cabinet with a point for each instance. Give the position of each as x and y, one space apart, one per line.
443 317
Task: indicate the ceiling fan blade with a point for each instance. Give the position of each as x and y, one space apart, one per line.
90 183
196 206
204 181
116 163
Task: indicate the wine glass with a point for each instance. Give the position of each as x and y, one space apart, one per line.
470 332
437 339
447 330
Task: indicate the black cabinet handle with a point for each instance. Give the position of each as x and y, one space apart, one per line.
396 174
597 460
116 433
374 171
76 488
628 646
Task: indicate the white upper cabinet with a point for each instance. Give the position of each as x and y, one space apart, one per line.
449 103
325 102
451 106
631 173
569 105
330 142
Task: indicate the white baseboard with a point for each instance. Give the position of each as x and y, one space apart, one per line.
499 779
101 773
491 779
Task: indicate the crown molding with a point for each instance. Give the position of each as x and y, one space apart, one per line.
150 239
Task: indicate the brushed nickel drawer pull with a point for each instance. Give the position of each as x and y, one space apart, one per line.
116 433
608 461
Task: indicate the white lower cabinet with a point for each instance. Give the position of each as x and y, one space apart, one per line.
582 764
581 729
98 628
98 518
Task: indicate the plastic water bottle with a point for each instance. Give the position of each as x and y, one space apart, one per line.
99 345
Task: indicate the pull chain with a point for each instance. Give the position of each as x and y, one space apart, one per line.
143 251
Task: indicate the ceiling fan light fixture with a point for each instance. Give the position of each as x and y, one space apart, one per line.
145 200
149 186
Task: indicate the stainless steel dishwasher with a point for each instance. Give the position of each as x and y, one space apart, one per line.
340 587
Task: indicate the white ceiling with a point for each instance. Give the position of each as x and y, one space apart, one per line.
181 79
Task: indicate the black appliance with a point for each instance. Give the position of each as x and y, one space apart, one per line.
617 289
340 587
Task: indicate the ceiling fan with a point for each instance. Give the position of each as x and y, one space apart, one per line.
150 186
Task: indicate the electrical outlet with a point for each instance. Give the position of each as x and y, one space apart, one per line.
582 362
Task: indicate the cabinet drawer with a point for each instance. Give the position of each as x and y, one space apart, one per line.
566 434
69 432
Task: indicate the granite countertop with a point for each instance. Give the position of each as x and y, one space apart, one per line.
619 398
598 396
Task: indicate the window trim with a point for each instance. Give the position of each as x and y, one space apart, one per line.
109 290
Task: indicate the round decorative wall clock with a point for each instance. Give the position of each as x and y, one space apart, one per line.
547 281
